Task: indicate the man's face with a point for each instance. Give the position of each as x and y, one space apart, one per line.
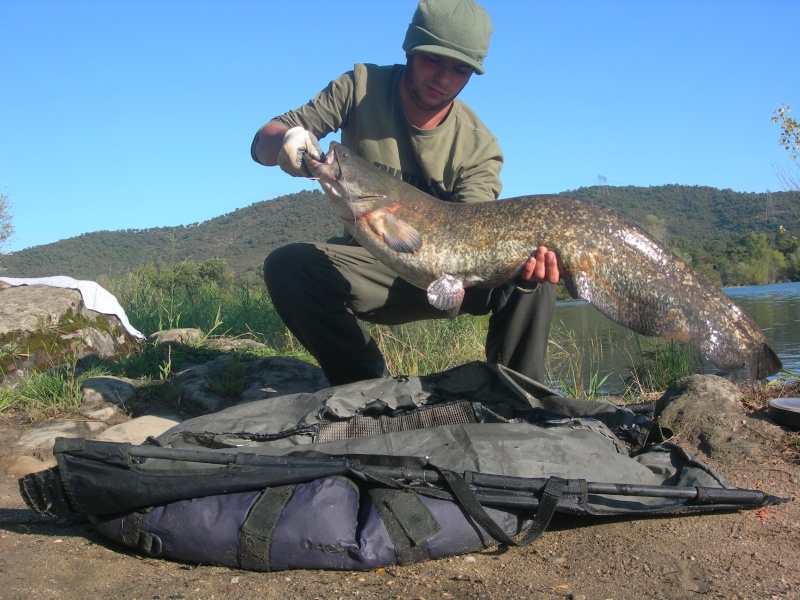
434 81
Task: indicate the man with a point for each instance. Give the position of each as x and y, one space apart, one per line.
406 120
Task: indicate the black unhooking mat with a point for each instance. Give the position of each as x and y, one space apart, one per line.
377 473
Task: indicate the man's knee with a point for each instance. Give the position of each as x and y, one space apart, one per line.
282 274
302 272
283 264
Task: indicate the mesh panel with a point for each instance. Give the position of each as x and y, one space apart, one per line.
424 418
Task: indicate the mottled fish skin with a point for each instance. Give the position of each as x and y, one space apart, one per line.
604 258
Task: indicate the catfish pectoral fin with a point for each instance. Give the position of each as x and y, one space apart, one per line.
446 293
396 233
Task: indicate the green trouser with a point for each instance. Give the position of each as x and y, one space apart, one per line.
322 290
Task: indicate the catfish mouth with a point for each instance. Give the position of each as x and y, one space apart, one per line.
330 174
317 168
327 171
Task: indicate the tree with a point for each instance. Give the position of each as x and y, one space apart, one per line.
790 131
6 227
657 227
790 140
215 269
755 261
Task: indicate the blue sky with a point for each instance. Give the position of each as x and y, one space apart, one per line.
117 115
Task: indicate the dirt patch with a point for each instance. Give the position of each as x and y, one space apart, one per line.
747 554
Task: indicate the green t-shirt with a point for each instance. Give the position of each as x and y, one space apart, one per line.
460 160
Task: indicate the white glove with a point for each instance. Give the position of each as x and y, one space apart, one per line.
296 142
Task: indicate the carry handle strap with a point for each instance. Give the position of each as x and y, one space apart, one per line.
466 498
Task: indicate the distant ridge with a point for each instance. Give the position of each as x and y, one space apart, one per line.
688 214
243 238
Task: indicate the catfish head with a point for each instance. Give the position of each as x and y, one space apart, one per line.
353 186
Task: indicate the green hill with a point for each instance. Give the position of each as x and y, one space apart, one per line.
699 213
685 217
243 238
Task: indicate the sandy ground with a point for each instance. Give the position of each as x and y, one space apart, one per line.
747 554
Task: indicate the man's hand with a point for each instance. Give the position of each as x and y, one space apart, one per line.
296 142
541 268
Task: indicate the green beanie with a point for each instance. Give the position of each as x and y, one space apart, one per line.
458 29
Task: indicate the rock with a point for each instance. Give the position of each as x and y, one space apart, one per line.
31 308
229 344
186 335
104 399
101 391
281 376
110 415
226 381
136 431
707 412
50 326
25 465
38 440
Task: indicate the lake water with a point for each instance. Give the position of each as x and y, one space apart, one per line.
613 349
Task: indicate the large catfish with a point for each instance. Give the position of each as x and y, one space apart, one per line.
604 258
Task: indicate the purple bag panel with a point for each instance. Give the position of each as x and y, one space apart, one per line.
326 526
323 524
202 530
459 534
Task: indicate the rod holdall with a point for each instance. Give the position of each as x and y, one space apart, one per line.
382 472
